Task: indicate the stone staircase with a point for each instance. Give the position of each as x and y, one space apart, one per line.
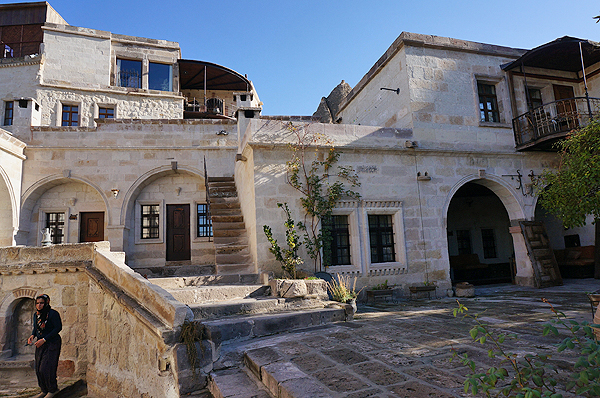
232 254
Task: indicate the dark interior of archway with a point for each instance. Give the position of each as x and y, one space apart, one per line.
479 243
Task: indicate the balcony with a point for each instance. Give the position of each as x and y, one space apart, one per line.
209 108
540 128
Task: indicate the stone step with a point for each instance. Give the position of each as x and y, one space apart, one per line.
224 200
220 179
229 233
208 280
192 295
225 241
229 225
224 269
224 205
232 249
247 327
235 383
233 258
283 378
256 305
227 218
176 271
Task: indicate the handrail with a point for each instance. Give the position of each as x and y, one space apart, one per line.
213 106
559 116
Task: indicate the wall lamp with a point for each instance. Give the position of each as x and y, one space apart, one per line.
115 192
397 90
222 132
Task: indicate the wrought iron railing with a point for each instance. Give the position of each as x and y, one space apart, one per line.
554 118
211 106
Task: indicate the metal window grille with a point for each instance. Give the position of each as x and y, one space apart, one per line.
70 115
381 236
129 73
56 223
9 107
150 221
339 250
106 113
488 241
488 104
463 240
204 222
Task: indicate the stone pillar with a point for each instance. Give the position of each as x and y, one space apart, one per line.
525 276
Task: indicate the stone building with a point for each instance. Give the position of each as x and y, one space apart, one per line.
107 137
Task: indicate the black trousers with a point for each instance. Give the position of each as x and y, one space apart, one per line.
46 363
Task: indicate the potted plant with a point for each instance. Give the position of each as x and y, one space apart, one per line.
382 290
427 287
343 290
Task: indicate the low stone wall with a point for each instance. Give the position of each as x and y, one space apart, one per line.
119 330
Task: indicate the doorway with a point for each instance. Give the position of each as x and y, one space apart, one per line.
178 233
91 228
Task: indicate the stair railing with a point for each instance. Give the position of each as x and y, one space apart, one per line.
208 212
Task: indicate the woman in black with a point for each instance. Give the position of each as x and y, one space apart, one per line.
46 326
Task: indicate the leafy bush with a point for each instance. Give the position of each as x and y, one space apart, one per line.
288 258
532 375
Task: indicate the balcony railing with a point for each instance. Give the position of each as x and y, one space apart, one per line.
541 127
208 108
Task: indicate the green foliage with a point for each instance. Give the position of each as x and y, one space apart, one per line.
288 258
321 182
341 289
192 332
532 375
381 286
573 191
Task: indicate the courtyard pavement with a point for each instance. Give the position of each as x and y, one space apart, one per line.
403 349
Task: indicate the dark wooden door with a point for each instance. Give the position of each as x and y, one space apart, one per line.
178 233
545 268
566 111
91 228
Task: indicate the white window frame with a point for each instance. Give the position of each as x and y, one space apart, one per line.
97 107
138 221
42 221
395 209
59 112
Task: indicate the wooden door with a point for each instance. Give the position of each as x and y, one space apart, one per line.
178 233
566 111
91 228
545 268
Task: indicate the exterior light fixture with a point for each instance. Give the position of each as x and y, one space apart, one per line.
423 177
397 90
115 192
222 132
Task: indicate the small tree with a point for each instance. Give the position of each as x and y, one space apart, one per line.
288 258
314 172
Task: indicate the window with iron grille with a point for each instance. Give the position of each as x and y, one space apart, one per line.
106 113
9 107
204 222
70 115
489 243
129 73
381 236
488 103
150 221
56 223
337 249
463 240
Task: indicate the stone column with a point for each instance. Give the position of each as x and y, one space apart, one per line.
525 276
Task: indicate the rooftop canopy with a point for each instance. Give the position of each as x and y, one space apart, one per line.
199 75
560 54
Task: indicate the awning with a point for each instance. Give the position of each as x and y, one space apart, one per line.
194 75
560 54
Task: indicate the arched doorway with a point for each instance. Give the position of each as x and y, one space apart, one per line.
480 246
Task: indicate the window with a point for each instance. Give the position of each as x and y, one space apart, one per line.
160 77
463 240
534 98
129 73
204 222
70 115
488 241
56 223
106 113
337 250
9 107
150 224
488 104
381 236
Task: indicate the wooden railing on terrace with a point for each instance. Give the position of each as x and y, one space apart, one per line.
541 127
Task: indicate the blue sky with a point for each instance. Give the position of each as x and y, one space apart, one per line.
296 52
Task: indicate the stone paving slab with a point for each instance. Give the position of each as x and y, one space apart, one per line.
403 349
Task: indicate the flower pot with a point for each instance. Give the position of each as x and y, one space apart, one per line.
352 302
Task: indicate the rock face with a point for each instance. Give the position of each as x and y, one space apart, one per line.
330 106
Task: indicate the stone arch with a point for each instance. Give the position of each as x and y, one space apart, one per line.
147 179
31 196
10 303
512 203
8 214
